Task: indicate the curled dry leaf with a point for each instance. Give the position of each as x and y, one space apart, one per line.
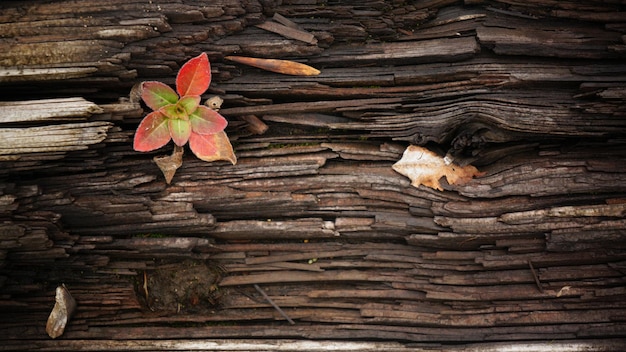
170 163
285 67
135 93
64 308
425 167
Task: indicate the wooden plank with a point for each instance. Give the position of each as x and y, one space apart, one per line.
301 228
305 256
506 39
389 262
295 276
454 49
54 138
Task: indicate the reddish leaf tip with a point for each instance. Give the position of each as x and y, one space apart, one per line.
152 133
194 76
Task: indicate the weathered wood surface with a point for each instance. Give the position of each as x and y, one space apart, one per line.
533 94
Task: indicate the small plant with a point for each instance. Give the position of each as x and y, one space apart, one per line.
179 116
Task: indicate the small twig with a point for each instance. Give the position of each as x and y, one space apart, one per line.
145 284
274 304
532 270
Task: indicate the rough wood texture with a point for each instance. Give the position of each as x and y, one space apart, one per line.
531 256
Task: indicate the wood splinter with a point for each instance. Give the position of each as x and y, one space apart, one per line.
267 298
532 270
288 32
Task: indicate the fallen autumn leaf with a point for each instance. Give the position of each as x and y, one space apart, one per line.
425 167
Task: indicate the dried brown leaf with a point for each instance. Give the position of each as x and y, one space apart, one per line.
64 308
170 163
425 167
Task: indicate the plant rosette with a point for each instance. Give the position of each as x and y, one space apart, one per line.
179 116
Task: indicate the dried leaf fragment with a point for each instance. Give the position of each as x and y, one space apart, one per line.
64 308
170 163
425 167
563 291
285 67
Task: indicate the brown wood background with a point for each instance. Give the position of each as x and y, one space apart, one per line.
533 93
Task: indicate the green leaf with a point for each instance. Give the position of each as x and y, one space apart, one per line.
180 131
194 77
152 133
207 121
190 103
157 95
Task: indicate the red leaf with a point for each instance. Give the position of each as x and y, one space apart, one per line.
207 121
211 147
194 77
152 133
180 131
157 95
